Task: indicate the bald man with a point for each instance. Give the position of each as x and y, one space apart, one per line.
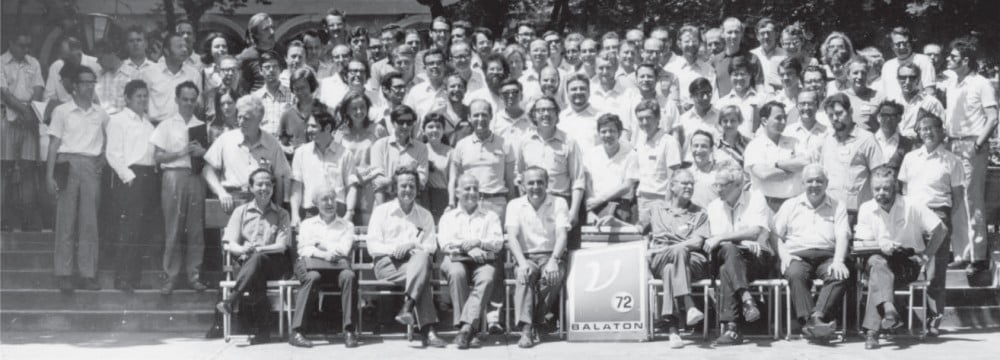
471 237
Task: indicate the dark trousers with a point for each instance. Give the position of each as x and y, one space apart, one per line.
737 268
136 209
306 299
533 299
22 198
884 274
800 275
937 267
183 201
678 267
252 278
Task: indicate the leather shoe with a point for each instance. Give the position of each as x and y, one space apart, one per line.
750 311
298 340
405 315
871 340
435 341
168 286
933 326
731 336
198 286
891 321
462 339
124 286
817 328
351 339
475 342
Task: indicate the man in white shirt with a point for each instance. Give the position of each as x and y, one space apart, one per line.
809 132
905 233
472 237
610 94
915 100
20 83
163 78
511 122
537 224
111 80
612 172
775 161
70 52
811 232
321 162
401 240
769 53
648 78
689 65
325 247
971 120
130 156
658 156
183 192
579 121
739 221
429 95
902 46
135 45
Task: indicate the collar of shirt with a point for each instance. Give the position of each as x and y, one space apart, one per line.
588 111
331 149
559 136
129 62
741 142
76 107
816 129
282 93
921 151
269 208
190 123
131 115
880 137
804 201
732 95
260 140
618 89
9 58
547 203
477 140
676 211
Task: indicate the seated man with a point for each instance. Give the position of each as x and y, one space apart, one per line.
612 172
256 235
812 233
537 224
901 229
401 241
324 245
739 221
677 232
471 236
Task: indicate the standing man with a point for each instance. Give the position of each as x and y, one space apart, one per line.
812 231
260 31
933 177
429 95
902 46
769 53
689 66
276 98
732 36
163 78
497 70
775 161
609 93
972 118
915 101
321 163
110 87
659 155
136 43
579 121
739 220
401 240
648 78
70 53
21 83
538 247
131 156
472 237
893 145
848 155
186 30
183 193
906 233
486 157
512 121
73 172
809 132
390 153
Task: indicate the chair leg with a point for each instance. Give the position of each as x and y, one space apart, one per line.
562 313
226 318
281 311
704 325
909 311
788 313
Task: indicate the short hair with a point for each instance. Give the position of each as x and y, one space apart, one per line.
927 115
169 37
432 117
135 85
510 81
741 62
462 24
254 24
700 84
884 171
136 29
966 47
889 103
267 56
731 109
254 173
359 32
367 71
838 98
441 19
72 43
405 170
249 103
656 69
689 29
793 29
185 85
400 111
731 171
610 35
793 64
578 77
524 23
660 28
324 119
388 78
648 105
304 73
910 65
483 101
765 21
497 58
818 168
483 31
103 47
465 83
536 168
733 21
401 50
768 108
349 98
711 138
814 69
609 119
901 31
434 51
534 104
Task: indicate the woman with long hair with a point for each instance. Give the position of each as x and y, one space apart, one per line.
214 47
356 132
438 154
224 118
293 121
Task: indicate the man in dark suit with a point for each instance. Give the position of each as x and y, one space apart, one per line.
894 146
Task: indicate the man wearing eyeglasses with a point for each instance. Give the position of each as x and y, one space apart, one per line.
902 46
429 95
525 33
894 146
461 61
511 121
914 100
440 34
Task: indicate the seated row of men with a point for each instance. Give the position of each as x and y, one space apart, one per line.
807 236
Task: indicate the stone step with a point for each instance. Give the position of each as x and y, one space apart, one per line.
107 300
44 279
44 259
37 240
965 317
108 320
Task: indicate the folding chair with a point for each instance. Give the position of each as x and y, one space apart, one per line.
910 291
707 293
374 287
510 281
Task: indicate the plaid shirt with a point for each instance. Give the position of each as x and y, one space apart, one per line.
110 89
274 106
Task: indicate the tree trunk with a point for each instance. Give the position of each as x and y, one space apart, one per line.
168 10
560 15
436 8
496 15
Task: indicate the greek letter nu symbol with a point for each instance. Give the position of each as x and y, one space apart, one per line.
595 272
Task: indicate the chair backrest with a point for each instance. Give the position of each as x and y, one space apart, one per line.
610 235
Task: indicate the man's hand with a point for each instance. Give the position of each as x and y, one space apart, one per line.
478 255
711 243
53 186
226 201
195 149
887 248
470 244
838 270
523 274
403 250
550 274
592 203
751 245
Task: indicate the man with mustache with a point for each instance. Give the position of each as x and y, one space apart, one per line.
848 154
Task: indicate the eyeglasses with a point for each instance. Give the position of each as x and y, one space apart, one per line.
889 115
529 34
907 77
510 93
545 110
439 31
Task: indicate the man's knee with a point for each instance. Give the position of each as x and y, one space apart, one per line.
728 251
420 258
456 272
796 272
877 262
346 276
312 277
678 253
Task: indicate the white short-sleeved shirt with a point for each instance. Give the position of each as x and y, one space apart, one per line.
237 160
606 174
581 126
930 176
53 85
458 225
967 102
890 86
317 235
802 226
657 156
669 114
390 227
750 211
171 135
690 122
81 131
911 112
312 168
163 85
747 103
686 73
613 101
762 151
905 224
535 229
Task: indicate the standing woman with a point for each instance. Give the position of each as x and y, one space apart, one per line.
215 47
357 133
438 153
224 118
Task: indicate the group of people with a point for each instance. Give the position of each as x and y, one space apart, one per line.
471 147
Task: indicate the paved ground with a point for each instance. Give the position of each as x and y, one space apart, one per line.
182 346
